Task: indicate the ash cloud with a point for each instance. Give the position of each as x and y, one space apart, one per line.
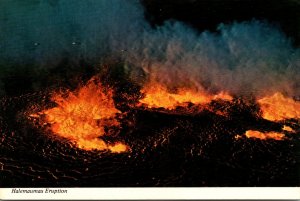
242 58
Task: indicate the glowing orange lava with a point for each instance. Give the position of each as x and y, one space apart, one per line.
85 115
277 107
288 128
157 96
264 136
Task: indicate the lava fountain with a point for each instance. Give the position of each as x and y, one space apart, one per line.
278 107
158 96
85 115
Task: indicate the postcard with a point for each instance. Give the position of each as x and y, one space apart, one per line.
149 99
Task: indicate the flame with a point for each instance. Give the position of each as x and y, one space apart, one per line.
84 116
157 96
264 136
277 107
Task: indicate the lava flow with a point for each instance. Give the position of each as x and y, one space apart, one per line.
264 135
278 108
89 113
158 96
84 116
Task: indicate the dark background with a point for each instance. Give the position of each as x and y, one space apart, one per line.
207 14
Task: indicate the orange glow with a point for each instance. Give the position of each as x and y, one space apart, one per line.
157 96
264 136
287 128
237 137
118 147
277 107
85 115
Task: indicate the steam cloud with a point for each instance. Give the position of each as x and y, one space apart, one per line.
242 58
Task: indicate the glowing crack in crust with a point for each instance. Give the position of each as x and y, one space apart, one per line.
264 135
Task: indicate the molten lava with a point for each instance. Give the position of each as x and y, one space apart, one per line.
288 128
264 136
158 96
277 107
85 115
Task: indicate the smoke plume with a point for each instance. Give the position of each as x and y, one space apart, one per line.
242 58
245 58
